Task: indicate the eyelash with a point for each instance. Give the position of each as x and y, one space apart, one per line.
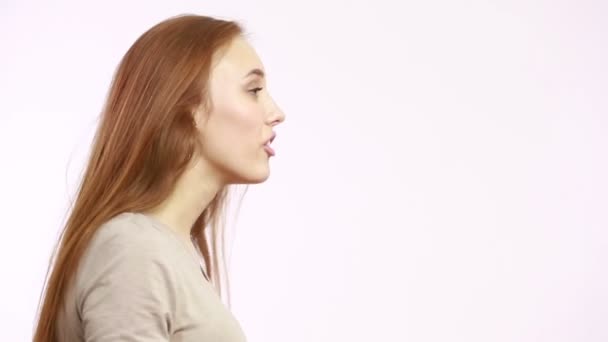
256 90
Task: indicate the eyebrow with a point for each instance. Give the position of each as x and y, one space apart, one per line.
257 72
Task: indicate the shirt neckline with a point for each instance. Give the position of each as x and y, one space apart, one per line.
171 232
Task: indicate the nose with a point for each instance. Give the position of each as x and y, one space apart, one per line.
276 115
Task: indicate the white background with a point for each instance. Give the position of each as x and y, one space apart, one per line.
441 175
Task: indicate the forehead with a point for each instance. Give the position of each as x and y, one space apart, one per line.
236 60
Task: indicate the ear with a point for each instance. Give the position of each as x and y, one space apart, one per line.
200 117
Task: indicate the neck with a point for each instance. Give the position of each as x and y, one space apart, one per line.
192 194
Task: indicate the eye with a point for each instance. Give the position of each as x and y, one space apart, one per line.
255 91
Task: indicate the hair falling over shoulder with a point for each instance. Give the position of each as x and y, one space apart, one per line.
144 141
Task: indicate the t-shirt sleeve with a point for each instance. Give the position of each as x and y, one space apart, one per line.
126 292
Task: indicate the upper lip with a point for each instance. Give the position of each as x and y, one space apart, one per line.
274 135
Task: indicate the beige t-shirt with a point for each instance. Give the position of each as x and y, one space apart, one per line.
138 282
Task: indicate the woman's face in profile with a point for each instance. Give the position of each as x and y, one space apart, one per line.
242 119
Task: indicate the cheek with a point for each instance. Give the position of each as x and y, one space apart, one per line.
242 124
236 130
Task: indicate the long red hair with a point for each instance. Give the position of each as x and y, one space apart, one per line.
144 141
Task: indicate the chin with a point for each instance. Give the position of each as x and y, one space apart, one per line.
253 176
250 180
259 178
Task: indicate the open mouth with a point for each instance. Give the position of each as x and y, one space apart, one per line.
267 147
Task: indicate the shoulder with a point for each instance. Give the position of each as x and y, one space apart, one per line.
126 248
127 230
126 282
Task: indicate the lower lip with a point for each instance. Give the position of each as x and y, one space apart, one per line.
269 150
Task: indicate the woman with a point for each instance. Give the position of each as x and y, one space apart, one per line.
188 114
